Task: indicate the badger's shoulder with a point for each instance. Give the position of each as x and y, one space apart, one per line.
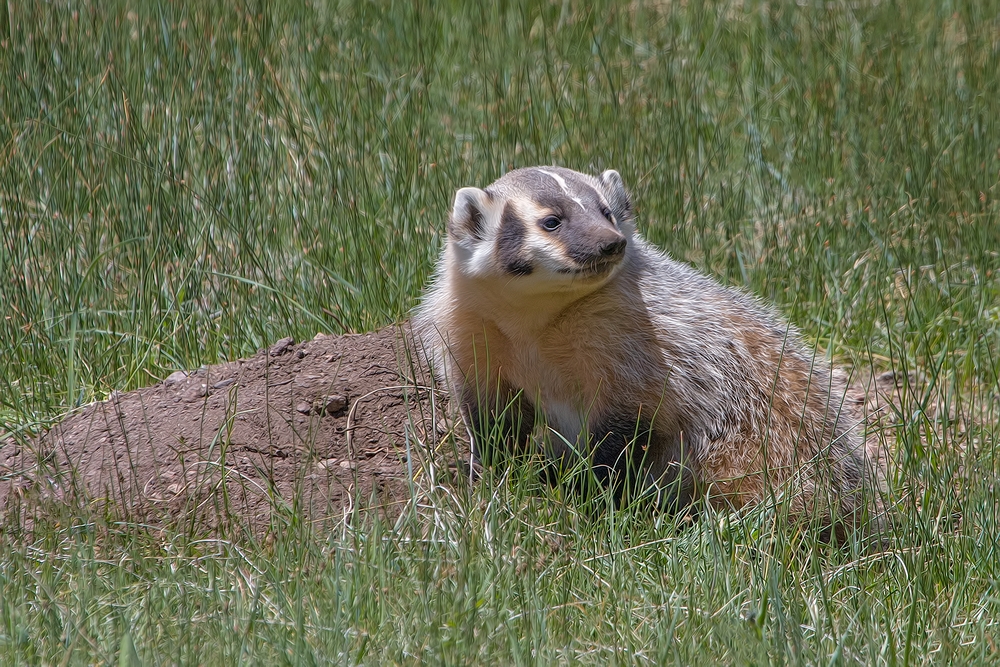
683 298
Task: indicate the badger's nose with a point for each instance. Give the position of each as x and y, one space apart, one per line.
612 248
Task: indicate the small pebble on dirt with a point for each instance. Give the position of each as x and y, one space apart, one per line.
175 378
282 346
195 393
304 408
334 404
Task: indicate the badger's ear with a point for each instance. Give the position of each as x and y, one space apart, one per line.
618 197
468 214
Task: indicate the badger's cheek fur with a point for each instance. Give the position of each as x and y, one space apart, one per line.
471 262
558 275
593 270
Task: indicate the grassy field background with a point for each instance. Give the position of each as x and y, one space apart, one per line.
182 183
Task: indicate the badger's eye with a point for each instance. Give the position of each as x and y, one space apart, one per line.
550 223
606 212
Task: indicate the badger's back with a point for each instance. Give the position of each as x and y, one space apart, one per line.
765 406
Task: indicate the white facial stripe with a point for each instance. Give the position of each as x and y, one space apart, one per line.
562 183
539 244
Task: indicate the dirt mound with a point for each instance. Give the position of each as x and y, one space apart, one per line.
306 427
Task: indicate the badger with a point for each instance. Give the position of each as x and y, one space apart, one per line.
555 325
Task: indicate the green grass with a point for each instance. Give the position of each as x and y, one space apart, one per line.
181 184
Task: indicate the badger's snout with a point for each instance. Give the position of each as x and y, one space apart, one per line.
601 246
597 251
613 247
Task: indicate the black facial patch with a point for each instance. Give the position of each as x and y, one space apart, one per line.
510 243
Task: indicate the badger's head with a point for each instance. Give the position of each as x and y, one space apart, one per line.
545 229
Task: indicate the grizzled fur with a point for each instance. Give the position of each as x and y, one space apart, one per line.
548 304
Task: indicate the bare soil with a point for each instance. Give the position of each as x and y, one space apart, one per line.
309 429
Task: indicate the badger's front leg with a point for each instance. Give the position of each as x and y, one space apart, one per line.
500 422
631 458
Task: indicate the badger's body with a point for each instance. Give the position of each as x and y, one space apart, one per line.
547 304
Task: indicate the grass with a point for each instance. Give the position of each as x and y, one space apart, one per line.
182 183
